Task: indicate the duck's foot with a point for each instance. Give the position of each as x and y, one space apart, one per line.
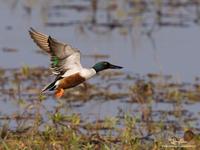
59 93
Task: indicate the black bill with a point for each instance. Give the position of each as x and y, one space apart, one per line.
115 67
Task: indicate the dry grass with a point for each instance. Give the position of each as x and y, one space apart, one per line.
37 127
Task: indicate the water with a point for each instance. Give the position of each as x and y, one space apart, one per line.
177 48
177 53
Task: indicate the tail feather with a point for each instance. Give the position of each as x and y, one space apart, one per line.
49 87
52 85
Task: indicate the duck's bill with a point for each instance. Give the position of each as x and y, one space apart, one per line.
115 67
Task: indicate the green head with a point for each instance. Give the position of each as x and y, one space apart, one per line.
105 65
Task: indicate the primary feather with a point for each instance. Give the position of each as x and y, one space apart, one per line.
63 56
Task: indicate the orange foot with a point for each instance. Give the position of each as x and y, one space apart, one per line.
59 93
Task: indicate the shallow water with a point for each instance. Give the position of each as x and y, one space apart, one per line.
177 53
177 48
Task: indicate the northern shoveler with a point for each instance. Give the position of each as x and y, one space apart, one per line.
65 63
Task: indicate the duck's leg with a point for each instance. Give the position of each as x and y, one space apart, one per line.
59 92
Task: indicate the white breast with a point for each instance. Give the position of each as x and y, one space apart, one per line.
87 73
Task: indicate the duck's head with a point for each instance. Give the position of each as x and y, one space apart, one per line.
105 65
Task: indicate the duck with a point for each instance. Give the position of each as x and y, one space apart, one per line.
65 64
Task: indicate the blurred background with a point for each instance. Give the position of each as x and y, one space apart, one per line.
143 36
156 41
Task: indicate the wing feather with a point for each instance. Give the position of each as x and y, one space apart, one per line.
64 58
40 39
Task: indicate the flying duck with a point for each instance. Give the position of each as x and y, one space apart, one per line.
65 64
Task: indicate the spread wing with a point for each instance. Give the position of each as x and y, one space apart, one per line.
63 57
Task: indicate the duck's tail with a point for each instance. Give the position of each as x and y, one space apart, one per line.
49 87
52 85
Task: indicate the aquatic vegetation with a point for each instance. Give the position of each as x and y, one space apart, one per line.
38 125
9 50
116 110
122 15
